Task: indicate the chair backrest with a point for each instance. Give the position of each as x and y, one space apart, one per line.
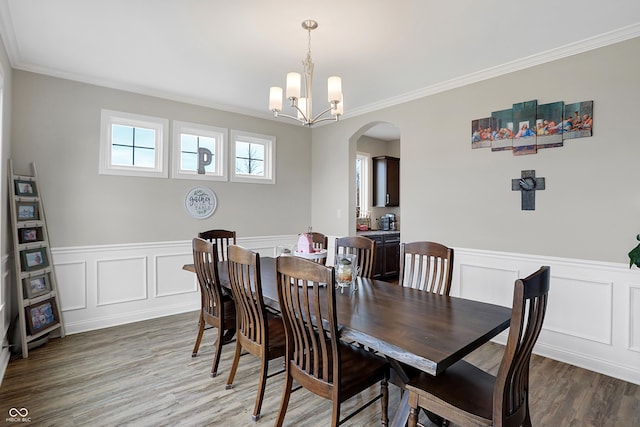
365 250
312 345
222 238
427 266
205 262
246 285
510 398
319 240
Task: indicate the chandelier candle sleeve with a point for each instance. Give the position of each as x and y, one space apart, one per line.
293 85
275 98
334 85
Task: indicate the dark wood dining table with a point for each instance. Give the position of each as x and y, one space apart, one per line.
421 329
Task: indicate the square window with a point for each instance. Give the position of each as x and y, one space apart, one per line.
253 157
133 144
188 141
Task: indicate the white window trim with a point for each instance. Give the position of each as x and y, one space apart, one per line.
160 125
269 143
365 181
220 135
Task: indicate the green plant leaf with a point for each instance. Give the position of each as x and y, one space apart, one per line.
634 257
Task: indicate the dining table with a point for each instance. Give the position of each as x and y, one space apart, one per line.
408 326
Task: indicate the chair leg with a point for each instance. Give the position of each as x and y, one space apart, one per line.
216 357
384 401
261 387
234 366
335 415
413 417
199 337
284 402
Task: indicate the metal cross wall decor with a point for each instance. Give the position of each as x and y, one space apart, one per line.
527 184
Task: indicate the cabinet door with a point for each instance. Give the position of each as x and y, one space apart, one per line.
393 182
392 258
378 265
386 181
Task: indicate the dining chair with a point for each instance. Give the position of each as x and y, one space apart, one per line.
467 395
222 238
427 266
365 250
315 357
258 333
216 309
319 241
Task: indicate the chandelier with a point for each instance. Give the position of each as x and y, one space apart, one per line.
294 89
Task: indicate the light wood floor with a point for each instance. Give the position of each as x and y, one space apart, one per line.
143 374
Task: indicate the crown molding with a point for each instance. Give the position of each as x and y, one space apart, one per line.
602 40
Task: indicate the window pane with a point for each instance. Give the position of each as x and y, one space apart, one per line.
144 157
249 158
145 138
121 156
189 143
242 149
121 135
208 143
189 162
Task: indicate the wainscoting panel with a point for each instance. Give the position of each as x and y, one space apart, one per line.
590 319
486 284
593 317
170 276
121 280
73 296
634 320
103 286
6 288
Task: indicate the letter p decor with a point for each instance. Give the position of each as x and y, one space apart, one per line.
204 159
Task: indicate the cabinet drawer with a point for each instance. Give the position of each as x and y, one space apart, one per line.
378 238
392 238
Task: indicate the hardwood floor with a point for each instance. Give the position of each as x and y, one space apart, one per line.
142 374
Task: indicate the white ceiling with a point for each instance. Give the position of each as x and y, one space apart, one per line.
226 54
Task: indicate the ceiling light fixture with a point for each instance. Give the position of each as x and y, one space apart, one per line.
303 104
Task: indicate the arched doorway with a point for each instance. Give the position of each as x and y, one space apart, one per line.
376 139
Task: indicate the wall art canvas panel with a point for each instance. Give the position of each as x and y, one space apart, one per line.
524 118
482 132
578 122
549 125
503 123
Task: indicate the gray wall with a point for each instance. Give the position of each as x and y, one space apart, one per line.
463 198
56 124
